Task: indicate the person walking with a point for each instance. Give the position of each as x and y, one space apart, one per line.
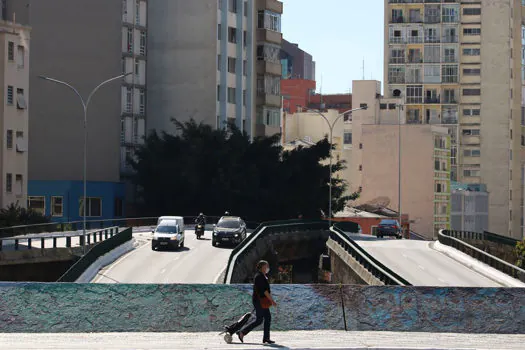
262 301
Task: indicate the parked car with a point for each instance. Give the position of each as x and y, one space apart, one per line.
389 227
168 234
229 230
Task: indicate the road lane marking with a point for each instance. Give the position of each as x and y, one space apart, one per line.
119 261
421 267
162 271
441 280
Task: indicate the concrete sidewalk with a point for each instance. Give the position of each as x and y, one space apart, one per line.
285 340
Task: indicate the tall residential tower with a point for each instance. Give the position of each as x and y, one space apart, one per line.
459 64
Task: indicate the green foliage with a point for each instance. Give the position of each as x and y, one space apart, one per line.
14 215
520 254
201 169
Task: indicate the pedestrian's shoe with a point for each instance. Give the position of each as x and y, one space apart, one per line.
241 337
268 341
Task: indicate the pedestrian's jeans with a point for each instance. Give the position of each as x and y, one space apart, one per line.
262 315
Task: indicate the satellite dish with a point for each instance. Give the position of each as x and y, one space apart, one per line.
397 93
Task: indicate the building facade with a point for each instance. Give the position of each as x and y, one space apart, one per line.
297 64
457 64
14 116
76 42
269 70
470 205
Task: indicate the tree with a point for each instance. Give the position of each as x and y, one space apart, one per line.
520 254
201 169
14 215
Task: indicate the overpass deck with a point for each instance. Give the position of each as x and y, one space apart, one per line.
422 265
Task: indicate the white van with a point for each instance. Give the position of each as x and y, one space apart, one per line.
168 234
179 219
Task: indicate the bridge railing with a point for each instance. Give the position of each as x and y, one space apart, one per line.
374 266
56 240
451 239
265 229
94 253
481 236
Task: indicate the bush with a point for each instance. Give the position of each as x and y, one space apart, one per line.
520 254
14 215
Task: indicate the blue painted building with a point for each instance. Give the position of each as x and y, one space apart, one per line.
62 200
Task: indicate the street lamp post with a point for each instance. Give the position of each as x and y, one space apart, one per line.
331 127
85 105
399 108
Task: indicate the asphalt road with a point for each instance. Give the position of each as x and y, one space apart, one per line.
197 262
421 265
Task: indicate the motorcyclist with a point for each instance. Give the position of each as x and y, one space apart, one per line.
201 219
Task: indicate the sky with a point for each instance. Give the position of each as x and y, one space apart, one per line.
339 34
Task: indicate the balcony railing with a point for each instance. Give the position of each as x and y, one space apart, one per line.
432 19
432 40
414 100
450 79
396 80
413 120
397 40
450 120
397 60
415 59
450 38
432 100
398 19
415 39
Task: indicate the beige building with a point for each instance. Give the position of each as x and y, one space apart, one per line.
368 141
457 64
14 75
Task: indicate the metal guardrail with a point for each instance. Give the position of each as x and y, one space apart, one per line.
481 236
264 229
94 253
376 268
91 237
97 224
447 237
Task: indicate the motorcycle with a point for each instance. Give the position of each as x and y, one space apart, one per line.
199 230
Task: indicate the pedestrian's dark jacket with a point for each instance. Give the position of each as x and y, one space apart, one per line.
260 286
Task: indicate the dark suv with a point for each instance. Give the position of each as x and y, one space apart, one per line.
389 227
230 230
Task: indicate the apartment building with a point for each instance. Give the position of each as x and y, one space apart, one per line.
297 63
14 118
219 69
459 64
369 142
83 43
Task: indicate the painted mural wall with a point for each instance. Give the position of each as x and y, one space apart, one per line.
49 308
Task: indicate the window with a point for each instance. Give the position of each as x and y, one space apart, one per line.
348 138
20 56
438 188
471 31
21 144
119 207
20 99
9 139
219 4
382 106
470 132
471 112
130 40
397 56
137 66
143 43
125 10
137 12
244 97
19 185
245 67
93 208
396 75
231 95
122 130
219 57
219 32
268 52
472 11
11 51
9 183
245 38
450 73
471 52
471 71
218 92
232 62
414 94
57 206
9 95
269 20
123 62
37 204
397 16
471 92
471 153
449 96
232 35
245 9
129 100
437 165
360 168
471 173
450 55
142 101
450 14
232 6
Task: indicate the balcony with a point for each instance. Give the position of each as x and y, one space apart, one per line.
450 120
265 99
398 79
415 39
399 19
432 100
266 67
397 60
270 5
432 19
415 59
413 120
269 36
396 40
450 39
432 40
